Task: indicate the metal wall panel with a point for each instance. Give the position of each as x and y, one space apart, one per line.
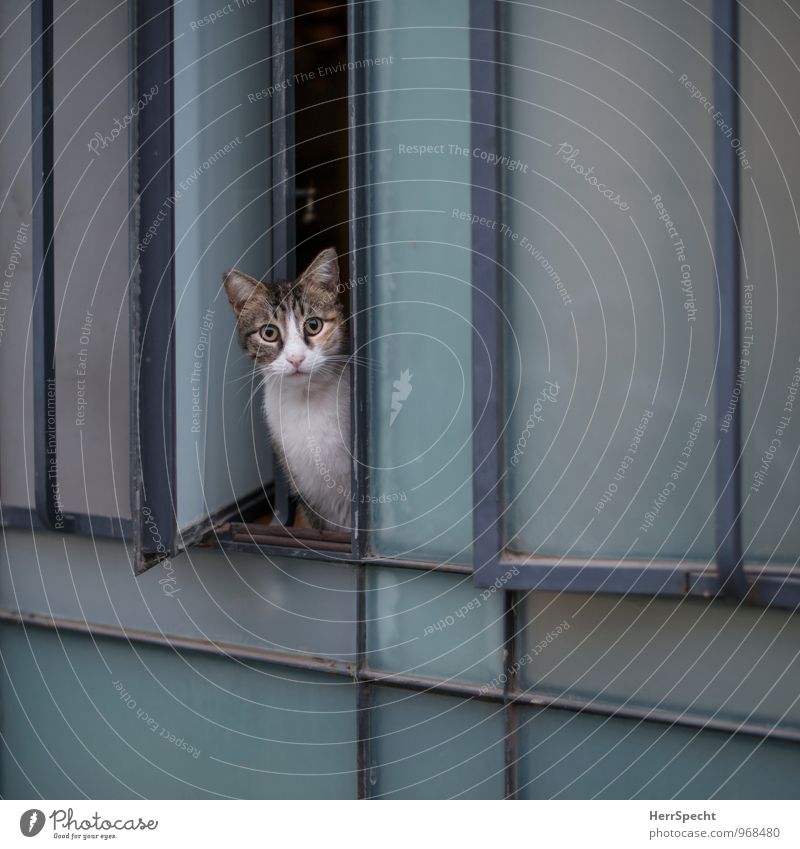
712 660
572 756
222 221
245 600
433 624
419 475
594 288
132 713
435 747
767 369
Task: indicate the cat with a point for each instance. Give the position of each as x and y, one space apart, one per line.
296 335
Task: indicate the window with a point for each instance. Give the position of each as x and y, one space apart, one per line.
242 162
609 452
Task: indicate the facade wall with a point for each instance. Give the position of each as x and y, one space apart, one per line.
265 730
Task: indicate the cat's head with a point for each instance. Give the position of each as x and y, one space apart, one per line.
291 330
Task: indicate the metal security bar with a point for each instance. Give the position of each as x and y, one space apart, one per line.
283 191
152 302
48 508
357 205
727 576
732 579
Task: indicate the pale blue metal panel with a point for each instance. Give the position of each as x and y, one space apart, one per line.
435 747
433 624
419 476
707 659
768 371
611 296
577 756
222 220
242 599
102 719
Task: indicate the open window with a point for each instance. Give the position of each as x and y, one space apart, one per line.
243 161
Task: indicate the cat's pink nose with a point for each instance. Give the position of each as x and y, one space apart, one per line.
296 359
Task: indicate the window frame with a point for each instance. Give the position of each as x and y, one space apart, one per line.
153 426
728 575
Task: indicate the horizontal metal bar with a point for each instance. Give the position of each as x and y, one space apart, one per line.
663 717
154 638
556 575
285 551
780 589
284 541
777 587
301 534
418 683
228 543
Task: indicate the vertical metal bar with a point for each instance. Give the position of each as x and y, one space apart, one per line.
487 348
726 246
357 153
283 193
153 295
48 507
363 690
487 343
510 746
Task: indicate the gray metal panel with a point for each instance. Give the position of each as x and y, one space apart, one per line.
16 444
241 599
91 255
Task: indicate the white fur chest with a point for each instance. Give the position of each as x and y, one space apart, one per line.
311 430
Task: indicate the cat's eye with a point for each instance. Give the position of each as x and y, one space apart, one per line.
270 333
313 326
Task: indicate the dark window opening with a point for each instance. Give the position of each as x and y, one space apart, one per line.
317 108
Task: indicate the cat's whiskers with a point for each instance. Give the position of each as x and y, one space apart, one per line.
265 379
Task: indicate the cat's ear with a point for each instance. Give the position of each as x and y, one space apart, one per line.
239 288
323 271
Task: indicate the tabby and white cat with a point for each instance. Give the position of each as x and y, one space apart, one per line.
295 333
